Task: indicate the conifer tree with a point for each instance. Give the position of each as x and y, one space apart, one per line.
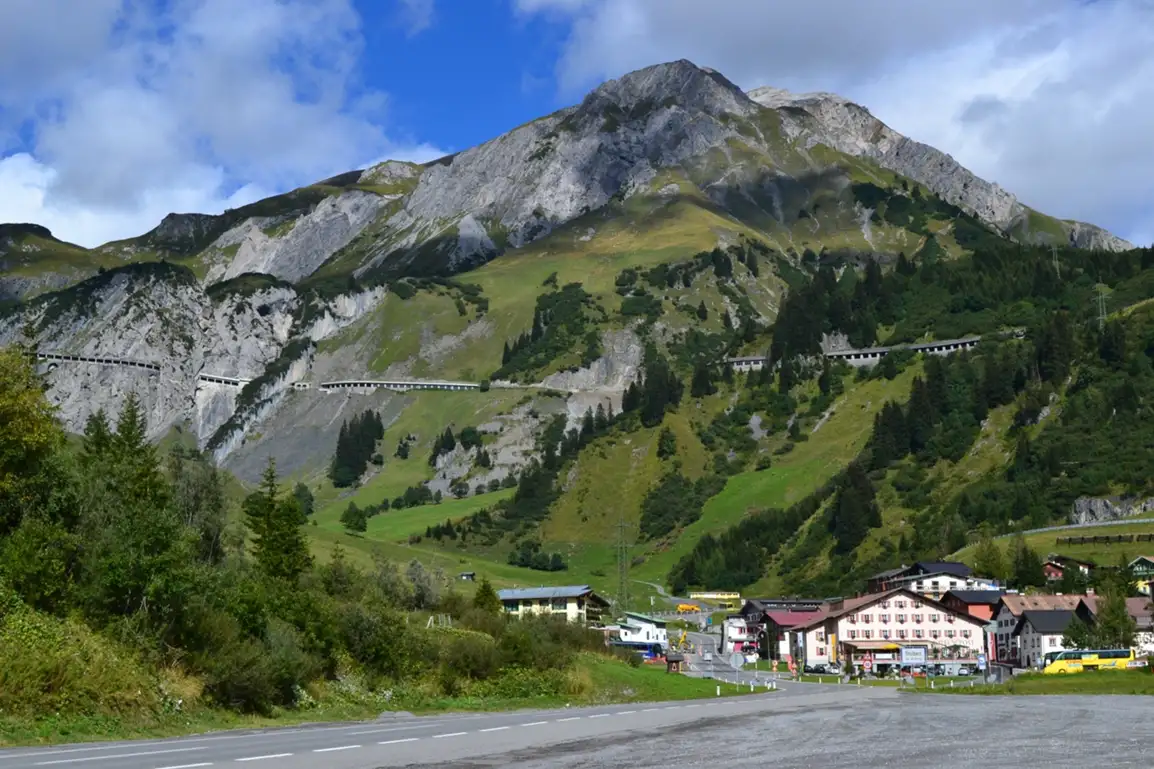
354 518
702 311
486 598
279 545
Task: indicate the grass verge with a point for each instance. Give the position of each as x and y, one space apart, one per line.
596 680
1101 682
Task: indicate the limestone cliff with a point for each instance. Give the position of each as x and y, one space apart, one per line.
825 118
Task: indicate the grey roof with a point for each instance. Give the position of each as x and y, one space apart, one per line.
944 567
1049 622
537 593
977 596
646 618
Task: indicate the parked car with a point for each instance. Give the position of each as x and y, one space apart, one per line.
966 670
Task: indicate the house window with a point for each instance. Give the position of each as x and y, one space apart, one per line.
558 604
867 618
919 633
918 617
884 618
949 634
853 634
900 604
885 604
901 634
901 618
526 604
885 634
935 634
821 651
935 617
820 637
867 634
965 634
1053 641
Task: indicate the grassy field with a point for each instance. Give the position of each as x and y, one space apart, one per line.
1107 555
792 476
1100 682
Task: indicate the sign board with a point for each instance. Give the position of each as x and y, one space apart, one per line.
913 655
709 620
736 661
708 656
867 664
981 662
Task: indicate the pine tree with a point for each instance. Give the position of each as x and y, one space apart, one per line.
751 263
279 545
304 498
727 320
702 382
354 519
702 312
1114 628
1026 566
825 379
988 558
486 598
97 437
666 444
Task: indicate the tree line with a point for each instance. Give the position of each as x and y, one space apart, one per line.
356 447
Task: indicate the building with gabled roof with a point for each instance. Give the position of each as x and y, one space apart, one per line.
1009 610
577 603
876 626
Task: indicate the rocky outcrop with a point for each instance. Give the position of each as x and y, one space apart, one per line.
825 118
1095 509
618 366
525 183
291 249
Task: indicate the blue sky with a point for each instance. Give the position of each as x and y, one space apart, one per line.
116 112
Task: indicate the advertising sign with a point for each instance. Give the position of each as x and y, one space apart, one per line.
981 662
913 655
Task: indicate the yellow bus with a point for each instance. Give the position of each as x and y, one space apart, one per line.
1078 660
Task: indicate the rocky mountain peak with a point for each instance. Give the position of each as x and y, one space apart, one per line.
826 118
177 231
11 232
681 83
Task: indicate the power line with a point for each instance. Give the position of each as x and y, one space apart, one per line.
622 565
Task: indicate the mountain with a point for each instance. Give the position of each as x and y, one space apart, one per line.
602 259
825 118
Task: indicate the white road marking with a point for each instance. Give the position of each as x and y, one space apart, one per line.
186 766
650 710
626 712
450 734
496 729
691 706
118 755
535 723
397 742
334 750
600 715
572 718
262 758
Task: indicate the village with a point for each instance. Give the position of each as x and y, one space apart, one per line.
929 618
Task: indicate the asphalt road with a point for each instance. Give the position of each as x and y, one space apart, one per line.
802 725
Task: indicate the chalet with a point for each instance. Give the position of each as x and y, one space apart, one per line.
1056 567
1039 632
932 579
577 603
1143 569
1008 612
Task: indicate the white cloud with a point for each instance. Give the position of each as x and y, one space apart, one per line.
1054 99
208 105
417 15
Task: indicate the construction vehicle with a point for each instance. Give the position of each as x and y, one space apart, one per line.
679 642
687 608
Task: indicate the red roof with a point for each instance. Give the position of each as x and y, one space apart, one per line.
789 619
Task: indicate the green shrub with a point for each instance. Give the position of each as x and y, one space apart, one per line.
50 665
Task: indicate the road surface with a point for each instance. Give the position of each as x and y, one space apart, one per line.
802 725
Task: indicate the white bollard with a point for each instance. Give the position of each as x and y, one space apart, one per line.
931 684
719 691
751 685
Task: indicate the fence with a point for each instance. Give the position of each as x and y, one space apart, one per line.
1104 539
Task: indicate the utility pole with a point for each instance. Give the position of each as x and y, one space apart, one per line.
622 566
